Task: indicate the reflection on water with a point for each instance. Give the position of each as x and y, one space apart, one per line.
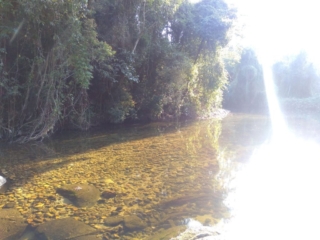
277 194
153 178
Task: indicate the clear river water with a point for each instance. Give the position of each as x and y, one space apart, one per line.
159 179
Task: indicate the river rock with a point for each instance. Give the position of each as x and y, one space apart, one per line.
113 221
108 194
12 224
133 222
67 228
81 195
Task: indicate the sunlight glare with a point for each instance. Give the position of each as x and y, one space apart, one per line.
194 1
277 196
279 127
282 27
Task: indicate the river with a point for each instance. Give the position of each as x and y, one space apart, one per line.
153 179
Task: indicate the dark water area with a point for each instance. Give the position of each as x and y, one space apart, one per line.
138 181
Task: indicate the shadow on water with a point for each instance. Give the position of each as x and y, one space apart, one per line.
70 143
239 131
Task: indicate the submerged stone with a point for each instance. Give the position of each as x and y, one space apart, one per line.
134 223
113 221
108 194
12 224
67 228
81 195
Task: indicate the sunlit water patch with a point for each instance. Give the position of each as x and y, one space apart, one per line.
277 194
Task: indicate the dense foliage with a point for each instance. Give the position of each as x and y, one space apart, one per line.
296 77
78 63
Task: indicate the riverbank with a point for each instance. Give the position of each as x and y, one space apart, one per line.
300 105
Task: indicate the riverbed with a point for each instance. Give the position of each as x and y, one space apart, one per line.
161 176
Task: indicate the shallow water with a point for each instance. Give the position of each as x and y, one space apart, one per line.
164 173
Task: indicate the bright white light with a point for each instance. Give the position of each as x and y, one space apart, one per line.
195 1
281 26
2 181
278 194
278 124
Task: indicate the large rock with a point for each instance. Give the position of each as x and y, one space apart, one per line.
11 224
113 221
67 228
131 223
81 195
134 223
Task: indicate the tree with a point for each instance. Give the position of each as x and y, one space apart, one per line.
47 48
80 63
296 77
246 90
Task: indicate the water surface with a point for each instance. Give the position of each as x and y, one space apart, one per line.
164 173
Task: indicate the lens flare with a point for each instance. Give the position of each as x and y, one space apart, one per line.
277 194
